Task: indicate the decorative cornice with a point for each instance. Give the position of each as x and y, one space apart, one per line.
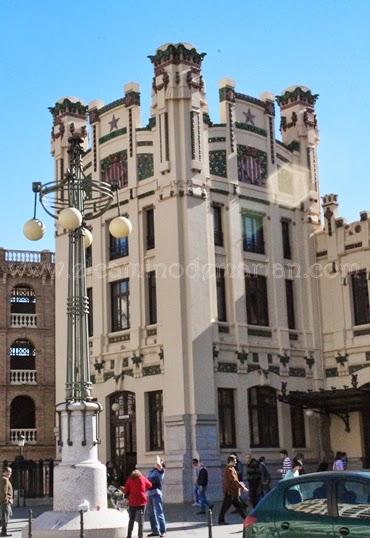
110 106
109 136
76 109
176 54
297 96
251 128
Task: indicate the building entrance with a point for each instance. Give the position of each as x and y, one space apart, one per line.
123 433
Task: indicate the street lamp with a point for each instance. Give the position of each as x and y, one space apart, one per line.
18 461
74 199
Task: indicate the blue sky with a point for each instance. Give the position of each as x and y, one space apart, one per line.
90 49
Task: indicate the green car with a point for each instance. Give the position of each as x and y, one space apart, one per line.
330 504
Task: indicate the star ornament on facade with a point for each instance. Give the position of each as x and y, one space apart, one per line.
113 123
249 117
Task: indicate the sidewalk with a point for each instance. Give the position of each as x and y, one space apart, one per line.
182 522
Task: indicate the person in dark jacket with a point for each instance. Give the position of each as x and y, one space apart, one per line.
265 476
232 489
202 483
254 478
135 490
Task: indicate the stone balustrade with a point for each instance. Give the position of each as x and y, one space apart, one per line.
23 377
23 320
29 434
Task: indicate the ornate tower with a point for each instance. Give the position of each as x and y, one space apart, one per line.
179 109
300 133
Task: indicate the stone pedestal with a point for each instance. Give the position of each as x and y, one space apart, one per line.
80 481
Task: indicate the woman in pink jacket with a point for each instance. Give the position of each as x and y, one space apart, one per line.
135 491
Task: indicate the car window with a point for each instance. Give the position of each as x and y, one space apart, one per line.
308 497
353 499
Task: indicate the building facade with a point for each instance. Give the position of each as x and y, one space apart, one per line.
208 316
27 381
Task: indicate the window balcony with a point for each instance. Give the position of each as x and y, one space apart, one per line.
23 377
23 320
29 434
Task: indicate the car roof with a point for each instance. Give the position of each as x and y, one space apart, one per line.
331 475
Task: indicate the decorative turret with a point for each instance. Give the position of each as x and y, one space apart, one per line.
330 209
178 105
298 118
66 111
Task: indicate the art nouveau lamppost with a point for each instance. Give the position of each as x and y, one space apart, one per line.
80 479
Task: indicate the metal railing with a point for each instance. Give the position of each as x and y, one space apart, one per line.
29 434
23 377
23 320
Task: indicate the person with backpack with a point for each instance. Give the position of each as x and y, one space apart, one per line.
155 500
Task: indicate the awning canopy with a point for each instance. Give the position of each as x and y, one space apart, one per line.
339 402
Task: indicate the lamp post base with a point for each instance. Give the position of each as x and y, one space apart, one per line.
106 523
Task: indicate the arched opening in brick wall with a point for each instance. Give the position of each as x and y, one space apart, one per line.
23 300
22 413
22 355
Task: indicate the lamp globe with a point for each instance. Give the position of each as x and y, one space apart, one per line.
34 229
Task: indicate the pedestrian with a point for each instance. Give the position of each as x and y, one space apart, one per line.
135 490
300 457
295 470
232 488
195 466
254 479
6 500
155 499
202 483
286 462
238 466
265 476
345 460
338 462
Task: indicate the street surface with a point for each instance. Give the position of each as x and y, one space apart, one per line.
182 522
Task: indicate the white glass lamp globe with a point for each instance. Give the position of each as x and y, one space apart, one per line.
115 407
34 229
120 227
70 218
309 413
88 238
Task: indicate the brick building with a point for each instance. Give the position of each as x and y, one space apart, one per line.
27 354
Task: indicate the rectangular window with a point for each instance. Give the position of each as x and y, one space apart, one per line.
263 419
285 232
256 300
155 408
253 240
120 295
88 256
221 294
149 228
297 425
90 314
217 226
151 298
360 297
226 418
118 247
289 292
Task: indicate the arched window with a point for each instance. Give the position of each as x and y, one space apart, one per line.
122 406
22 413
263 419
23 300
22 355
